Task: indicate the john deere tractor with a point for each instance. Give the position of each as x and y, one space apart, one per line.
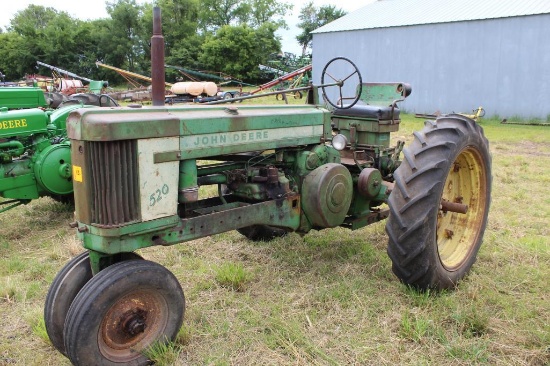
35 157
278 169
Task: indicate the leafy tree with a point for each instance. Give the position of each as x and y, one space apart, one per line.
122 46
31 21
232 36
218 13
30 24
312 18
13 62
43 34
180 19
263 11
180 24
238 50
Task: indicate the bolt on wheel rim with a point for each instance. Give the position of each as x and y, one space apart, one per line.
458 233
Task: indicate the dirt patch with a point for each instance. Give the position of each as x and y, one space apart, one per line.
525 147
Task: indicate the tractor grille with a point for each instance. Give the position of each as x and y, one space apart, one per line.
113 169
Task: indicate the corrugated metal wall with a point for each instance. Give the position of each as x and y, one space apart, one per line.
500 64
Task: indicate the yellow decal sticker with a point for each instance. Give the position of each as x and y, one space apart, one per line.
77 173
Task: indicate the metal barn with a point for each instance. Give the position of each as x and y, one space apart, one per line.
457 55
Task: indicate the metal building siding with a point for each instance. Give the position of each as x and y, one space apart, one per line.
398 13
500 64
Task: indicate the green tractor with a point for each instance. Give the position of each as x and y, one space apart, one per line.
19 97
278 169
35 157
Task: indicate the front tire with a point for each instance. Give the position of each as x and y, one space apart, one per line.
448 161
63 290
121 311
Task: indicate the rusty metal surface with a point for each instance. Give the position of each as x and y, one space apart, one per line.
453 207
157 59
120 123
355 223
219 218
113 171
137 318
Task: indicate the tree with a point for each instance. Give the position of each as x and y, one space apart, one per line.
44 34
232 36
121 35
312 18
218 13
15 57
238 50
263 11
31 21
180 22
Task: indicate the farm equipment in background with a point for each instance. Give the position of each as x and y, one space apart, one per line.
22 97
277 169
139 91
4 83
35 157
198 92
476 114
282 63
531 122
189 92
294 80
68 86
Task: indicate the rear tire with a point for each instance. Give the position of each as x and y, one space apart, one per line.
448 160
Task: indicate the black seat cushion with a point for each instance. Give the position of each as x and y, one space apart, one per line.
368 111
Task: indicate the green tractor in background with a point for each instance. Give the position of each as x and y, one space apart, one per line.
19 97
35 157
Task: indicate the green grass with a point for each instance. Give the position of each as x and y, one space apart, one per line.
163 353
232 276
328 298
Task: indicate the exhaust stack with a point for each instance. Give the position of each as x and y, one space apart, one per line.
157 60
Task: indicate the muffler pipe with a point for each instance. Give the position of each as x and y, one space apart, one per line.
157 60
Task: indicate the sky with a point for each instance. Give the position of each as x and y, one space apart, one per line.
95 9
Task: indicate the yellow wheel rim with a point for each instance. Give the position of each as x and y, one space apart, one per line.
458 233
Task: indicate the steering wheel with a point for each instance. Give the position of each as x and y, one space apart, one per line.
339 82
106 100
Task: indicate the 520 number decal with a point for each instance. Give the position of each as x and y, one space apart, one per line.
158 195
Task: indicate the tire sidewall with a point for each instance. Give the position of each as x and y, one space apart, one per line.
443 277
87 311
415 201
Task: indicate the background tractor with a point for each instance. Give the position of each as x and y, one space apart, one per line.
137 173
35 158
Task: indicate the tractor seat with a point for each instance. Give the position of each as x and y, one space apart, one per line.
368 111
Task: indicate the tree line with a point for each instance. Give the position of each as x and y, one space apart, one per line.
228 36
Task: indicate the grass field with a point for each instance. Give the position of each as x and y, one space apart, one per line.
328 298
